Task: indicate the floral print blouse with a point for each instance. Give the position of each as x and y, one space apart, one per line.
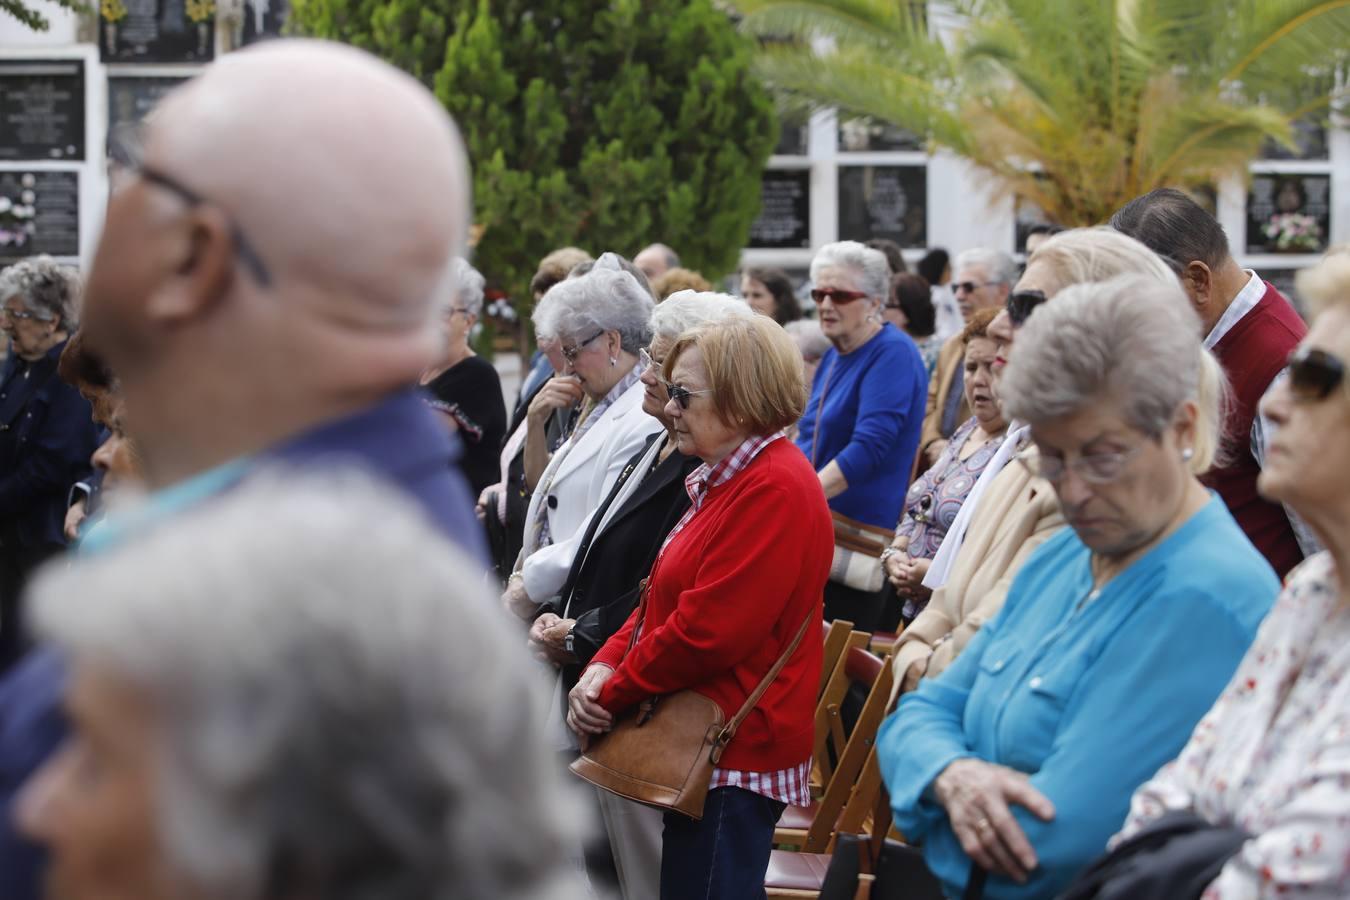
1273 755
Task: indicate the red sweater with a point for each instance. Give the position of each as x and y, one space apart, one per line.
1252 353
724 601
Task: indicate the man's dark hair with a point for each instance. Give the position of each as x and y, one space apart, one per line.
1046 229
1173 225
891 250
931 267
915 299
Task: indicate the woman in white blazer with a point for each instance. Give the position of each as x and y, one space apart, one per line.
601 320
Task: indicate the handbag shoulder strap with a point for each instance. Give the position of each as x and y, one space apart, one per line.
730 730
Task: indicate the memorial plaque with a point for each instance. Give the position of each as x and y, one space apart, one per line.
130 98
1288 213
139 31
39 213
1310 139
884 202
261 20
869 135
41 109
785 210
1026 216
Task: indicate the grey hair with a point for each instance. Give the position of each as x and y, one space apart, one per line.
672 258
48 289
811 341
997 265
607 298
469 285
685 310
337 703
1082 255
1133 338
874 272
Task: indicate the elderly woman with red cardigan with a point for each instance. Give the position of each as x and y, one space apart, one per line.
730 589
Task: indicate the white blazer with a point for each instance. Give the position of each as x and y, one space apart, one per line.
579 477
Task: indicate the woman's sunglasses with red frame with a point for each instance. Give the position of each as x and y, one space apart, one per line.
1314 374
837 296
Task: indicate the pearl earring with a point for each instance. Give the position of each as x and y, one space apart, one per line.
1187 454
613 361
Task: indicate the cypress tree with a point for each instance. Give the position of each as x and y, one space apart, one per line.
606 124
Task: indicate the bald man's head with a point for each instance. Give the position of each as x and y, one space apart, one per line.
297 207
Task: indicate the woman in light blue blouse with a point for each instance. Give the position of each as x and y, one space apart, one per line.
1117 635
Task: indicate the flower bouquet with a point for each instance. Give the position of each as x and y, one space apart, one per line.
112 12
1293 233
17 225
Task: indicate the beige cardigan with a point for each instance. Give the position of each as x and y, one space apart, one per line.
1016 515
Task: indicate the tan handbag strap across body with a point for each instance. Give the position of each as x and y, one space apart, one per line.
729 730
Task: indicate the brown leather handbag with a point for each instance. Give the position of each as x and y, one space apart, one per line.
663 754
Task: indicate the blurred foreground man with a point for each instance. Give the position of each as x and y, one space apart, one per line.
266 290
264 693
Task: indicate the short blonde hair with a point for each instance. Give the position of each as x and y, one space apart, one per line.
1327 284
676 280
1085 255
754 370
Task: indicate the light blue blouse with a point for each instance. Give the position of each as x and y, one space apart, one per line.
1090 696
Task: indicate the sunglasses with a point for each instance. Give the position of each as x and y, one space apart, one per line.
571 353
971 287
836 296
1022 303
681 395
1314 374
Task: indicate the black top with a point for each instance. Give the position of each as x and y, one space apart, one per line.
471 393
601 590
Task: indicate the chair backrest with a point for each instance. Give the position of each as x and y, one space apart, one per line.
861 668
836 638
830 737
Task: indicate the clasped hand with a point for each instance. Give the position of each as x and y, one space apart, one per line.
976 795
585 715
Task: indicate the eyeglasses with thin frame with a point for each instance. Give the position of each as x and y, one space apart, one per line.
7 313
971 286
1021 304
837 296
571 353
1314 374
681 395
125 150
1094 468
647 361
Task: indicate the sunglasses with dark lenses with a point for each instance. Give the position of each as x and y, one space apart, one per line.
1022 303
681 395
836 296
1314 374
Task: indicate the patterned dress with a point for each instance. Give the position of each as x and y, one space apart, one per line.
936 496
1273 755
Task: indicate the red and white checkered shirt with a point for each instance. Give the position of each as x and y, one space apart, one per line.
791 785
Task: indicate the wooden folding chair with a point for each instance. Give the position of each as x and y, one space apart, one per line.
812 828
799 875
830 739
836 639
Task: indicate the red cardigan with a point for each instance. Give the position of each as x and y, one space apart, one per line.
724 601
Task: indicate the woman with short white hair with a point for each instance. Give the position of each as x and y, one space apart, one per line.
464 387
601 320
273 699
862 421
1268 763
1020 760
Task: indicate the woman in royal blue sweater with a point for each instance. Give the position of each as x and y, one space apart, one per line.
862 423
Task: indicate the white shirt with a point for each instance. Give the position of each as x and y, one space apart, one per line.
948 321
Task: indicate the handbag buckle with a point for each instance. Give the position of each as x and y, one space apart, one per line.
719 744
645 711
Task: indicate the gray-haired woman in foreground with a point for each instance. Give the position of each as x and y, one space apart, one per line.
272 700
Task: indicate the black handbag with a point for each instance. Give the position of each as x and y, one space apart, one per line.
1177 856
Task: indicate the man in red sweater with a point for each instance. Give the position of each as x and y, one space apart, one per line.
1252 329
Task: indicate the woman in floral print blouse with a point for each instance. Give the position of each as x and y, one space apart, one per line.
1273 755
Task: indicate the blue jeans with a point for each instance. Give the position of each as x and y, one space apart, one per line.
724 855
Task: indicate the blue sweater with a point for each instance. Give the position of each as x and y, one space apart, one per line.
869 423
1089 702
